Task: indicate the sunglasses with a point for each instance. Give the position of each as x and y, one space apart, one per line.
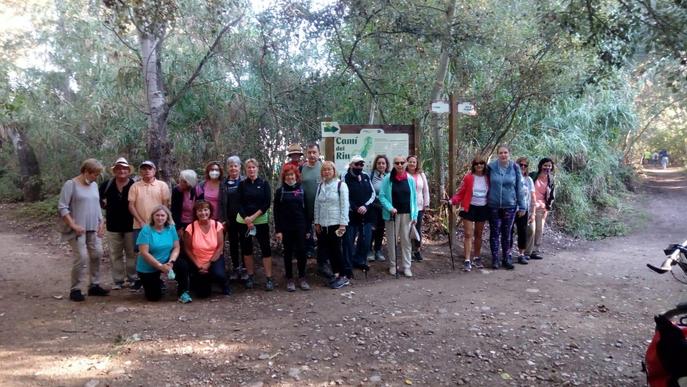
480 163
524 165
359 163
399 162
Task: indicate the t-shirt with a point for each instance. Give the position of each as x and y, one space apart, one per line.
147 196
187 207
160 245
400 195
540 188
203 245
82 202
212 197
479 191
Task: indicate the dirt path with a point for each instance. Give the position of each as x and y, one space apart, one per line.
580 317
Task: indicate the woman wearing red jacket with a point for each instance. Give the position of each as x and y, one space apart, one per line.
472 197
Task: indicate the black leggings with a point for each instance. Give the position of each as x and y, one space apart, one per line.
418 227
378 232
294 244
263 236
152 283
234 238
330 246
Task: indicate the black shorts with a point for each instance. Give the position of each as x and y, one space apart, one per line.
476 214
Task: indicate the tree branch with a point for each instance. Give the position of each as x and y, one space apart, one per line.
208 55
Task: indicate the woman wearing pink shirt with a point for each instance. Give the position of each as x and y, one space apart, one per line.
210 187
544 194
422 188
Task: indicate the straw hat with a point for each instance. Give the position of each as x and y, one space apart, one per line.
123 163
294 149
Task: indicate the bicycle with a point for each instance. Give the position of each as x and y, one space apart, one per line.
665 362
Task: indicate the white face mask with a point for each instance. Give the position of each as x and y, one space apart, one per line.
214 174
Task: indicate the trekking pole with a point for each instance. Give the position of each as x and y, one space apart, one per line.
393 231
450 235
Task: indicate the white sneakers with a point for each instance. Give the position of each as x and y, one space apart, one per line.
392 270
406 272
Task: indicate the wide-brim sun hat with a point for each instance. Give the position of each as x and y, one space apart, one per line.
294 149
121 162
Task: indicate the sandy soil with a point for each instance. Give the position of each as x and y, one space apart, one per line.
582 316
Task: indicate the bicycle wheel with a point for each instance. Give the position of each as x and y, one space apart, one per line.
679 270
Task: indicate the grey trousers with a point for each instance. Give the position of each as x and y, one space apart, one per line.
122 256
87 250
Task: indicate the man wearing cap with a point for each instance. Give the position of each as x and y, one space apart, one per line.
145 195
294 153
114 194
361 195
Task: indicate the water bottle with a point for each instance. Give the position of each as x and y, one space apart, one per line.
170 275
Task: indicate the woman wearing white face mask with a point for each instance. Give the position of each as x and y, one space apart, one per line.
544 195
210 187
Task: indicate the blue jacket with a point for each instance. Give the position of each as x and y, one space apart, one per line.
385 198
505 188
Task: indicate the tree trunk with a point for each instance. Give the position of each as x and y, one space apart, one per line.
438 182
158 145
29 171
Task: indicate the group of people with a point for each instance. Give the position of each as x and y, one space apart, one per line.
504 194
338 217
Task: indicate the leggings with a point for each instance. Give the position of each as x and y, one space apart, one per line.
263 236
294 244
418 227
501 228
188 277
330 246
378 231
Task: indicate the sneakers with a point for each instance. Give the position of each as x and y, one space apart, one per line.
495 265
249 283
185 298
417 257
392 270
370 256
117 286
536 256
407 272
477 263
522 260
269 284
467 265
508 264
96 290
339 283
379 257
290 286
323 270
76 296
303 284
136 286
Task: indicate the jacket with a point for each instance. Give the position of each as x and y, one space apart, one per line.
178 203
505 189
254 195
289 208
385 198
360 193
229 198
550 191
464 194
331 203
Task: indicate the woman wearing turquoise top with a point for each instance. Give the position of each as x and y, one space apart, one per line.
158 245
399 210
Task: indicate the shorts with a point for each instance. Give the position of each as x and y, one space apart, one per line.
476 214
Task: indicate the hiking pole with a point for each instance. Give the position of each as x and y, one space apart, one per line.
450 235
393 231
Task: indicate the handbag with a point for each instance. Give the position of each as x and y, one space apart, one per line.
414 235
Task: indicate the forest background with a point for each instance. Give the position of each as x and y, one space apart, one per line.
592 84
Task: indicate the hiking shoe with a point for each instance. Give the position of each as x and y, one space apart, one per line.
507 264
136 286
249 282
76 296
379 257
495 264
185 298
467 265
370 256
346 281
96 290
407 272
536 256
477 263
290 286
303 284
392 270
117 286
338 283
417 257
522 260
269 284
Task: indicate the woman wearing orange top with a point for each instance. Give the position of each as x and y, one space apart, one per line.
203 243
472 197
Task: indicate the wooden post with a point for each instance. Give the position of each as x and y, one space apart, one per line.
451 162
